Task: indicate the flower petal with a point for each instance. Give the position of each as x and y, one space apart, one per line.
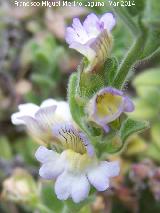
128 105
53 163
51 169
24 110
99 175
79 29
108 21
44 155
98 180
111 169
84 50
91 25
49 102
80 188
46 117
107 105
63 186
63 111
71 36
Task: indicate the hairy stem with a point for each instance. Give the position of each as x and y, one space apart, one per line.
131 58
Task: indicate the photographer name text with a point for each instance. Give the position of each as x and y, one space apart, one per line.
63 3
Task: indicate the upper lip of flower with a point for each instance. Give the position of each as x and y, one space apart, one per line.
40 120
90 29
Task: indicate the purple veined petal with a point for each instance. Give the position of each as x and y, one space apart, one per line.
98 178
63 186
24 110
31 124
35 130
91 25
84 50
89 147
79 29
44 155
128 105
71 36
46 116
108 21
70 138
80 188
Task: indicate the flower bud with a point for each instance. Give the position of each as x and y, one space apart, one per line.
20 187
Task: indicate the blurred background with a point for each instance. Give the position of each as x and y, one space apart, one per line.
35 64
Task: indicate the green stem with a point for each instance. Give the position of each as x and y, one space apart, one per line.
131 58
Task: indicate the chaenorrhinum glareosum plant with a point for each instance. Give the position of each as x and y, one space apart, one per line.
77 136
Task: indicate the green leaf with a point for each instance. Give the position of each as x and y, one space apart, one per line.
76 110
130 127
88 84
110 70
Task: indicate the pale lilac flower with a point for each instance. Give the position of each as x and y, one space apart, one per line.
92 38
39 120
76 167
107 105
